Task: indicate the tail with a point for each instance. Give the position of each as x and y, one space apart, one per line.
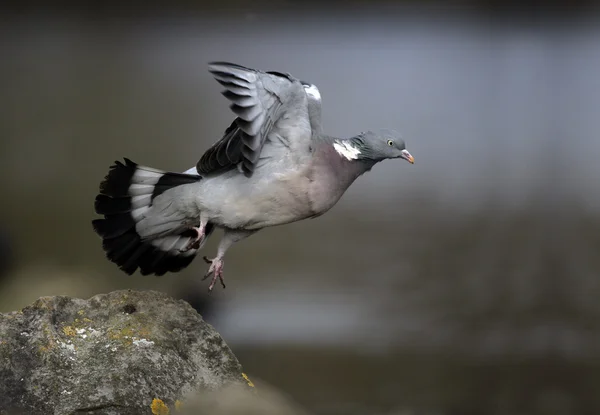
127 195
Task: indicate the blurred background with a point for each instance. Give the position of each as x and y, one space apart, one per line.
467 283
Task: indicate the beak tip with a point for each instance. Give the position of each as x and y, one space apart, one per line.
408 157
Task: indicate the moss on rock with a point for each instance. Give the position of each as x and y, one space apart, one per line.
119 351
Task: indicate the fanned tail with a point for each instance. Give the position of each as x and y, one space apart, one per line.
126 197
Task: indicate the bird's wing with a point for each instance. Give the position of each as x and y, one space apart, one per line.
314 106
272 119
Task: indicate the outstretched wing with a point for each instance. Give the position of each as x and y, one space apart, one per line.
314 106
271 108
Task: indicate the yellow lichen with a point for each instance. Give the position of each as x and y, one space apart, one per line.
128 333
159 408
81 323
116 335
143 332
81 312
69 331
42 303
248 380
44 349
178 405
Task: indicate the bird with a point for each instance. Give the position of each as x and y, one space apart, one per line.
274 165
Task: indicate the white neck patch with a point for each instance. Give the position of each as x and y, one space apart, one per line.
313 92
346 150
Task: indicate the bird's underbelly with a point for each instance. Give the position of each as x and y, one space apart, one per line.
255 203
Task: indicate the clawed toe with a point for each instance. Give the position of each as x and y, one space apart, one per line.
216 270
194 243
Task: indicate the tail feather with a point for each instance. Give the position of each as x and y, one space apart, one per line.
106 205
126 197
116 183
113 226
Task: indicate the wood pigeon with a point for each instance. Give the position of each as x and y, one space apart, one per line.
273 166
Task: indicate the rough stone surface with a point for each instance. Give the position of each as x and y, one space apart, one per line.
126 352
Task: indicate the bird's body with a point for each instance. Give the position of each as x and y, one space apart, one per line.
295 191
273 166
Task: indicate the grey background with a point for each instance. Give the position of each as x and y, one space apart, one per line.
466 283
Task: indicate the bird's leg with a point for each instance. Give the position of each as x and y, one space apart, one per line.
216 269
195 242
216 264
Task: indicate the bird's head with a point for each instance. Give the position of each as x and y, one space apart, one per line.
376 146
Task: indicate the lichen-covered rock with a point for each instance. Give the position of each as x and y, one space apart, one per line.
126 352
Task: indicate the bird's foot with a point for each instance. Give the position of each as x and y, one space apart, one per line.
216 269
194 243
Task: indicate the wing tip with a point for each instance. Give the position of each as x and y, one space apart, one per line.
230 65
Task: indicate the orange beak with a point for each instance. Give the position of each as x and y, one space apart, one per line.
407 156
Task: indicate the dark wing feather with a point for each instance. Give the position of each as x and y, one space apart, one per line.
257 98
224 154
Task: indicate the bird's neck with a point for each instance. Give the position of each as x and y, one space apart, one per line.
346 158
353 149
332 174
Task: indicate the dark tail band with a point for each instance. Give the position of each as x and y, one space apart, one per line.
125 194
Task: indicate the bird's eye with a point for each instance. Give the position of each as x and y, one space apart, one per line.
390 143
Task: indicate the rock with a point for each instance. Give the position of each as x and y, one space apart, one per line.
205 304
126 352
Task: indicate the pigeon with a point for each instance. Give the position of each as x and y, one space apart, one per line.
274 165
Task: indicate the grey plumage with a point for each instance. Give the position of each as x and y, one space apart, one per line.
273 165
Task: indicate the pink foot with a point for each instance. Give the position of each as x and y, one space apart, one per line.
194 243
216 269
